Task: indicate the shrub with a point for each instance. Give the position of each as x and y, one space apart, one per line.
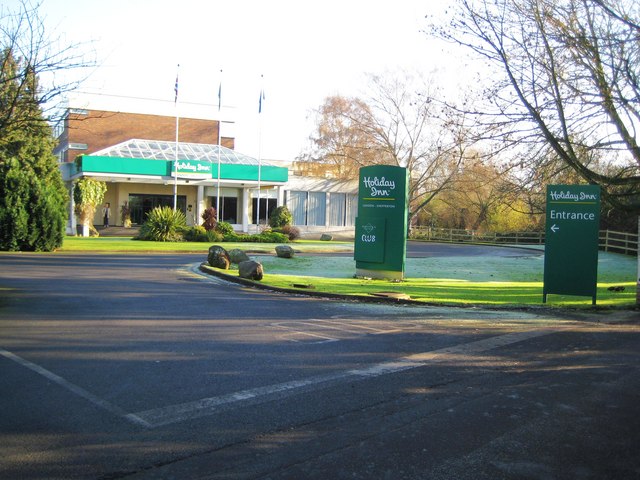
233 237
290 231
163 224
199 234
213 236
264 237
196 234
268 237
224 228
280 217
209 217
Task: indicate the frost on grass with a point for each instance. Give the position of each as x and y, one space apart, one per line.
611 267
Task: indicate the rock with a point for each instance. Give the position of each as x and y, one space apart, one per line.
325 237
250 269
236 256
218 257
285 251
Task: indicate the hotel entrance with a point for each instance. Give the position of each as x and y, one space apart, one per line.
142 204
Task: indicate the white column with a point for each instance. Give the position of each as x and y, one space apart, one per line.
280 190
199 204
71 225
245 209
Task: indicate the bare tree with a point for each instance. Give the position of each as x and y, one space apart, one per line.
342 142
400 123
26 44
569 80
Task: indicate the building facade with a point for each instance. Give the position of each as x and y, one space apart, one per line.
149 158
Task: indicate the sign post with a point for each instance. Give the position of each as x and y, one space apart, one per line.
381 226
571 240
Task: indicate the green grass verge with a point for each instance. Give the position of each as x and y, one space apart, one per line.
507 281
129 245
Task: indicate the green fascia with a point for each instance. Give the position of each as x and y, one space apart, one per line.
140 166
267 173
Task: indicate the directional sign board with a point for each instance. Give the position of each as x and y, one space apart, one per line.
571 241
381 226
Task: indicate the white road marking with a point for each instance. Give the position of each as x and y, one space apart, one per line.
212 405
81 392
303 333
343 326
293 329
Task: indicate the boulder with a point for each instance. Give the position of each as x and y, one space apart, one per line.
250 269
236 256
325 237
218 257
284 251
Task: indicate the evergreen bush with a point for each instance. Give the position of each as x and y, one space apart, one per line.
224 228
33 197
163 224
196 233
280 217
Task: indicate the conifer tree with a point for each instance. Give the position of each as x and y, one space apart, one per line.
33 198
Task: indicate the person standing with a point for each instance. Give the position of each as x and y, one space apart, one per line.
106 213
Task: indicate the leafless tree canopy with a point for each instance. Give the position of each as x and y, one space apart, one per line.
568 85
28 54
400 123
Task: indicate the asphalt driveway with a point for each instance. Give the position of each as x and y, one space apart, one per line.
136 367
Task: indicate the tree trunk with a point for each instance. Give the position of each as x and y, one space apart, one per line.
638 270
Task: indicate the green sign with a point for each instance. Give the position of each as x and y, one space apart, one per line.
571 240
192 168
381 226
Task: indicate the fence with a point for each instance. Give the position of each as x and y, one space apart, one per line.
619 242
609 241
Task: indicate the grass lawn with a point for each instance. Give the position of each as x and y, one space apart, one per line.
509 281
128 245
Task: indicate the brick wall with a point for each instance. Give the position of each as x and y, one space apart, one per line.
102 129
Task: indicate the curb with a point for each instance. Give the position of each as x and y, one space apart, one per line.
597 315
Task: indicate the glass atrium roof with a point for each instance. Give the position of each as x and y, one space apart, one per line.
162 150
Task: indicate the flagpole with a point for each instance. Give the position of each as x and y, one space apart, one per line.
219 147
175 163
260 148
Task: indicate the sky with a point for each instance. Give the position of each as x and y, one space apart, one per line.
298 51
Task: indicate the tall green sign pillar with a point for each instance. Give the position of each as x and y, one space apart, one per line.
381 226
571 240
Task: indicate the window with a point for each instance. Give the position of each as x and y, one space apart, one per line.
351 209
343 209
310 208
298 207
317 208
337 212
267 206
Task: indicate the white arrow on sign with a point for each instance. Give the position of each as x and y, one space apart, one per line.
554 228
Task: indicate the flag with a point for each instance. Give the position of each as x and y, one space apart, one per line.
260 100
262 97
220 92
176 90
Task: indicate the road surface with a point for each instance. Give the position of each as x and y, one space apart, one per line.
138 367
